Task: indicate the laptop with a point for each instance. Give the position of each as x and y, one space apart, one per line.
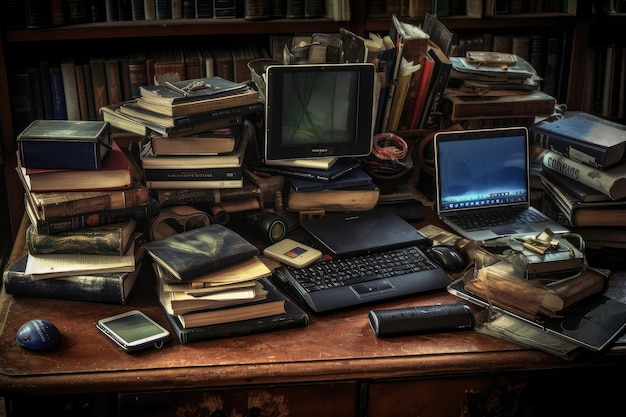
344 235
348 236
483 184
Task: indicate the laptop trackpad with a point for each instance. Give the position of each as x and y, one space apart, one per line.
373 287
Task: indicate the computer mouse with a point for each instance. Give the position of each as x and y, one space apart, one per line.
38 334
447 257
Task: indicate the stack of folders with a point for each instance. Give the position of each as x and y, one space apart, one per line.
343 186
212 284
193 131
85 207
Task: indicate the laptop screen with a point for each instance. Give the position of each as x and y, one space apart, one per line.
481 169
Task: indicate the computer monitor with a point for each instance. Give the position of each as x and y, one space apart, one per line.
319 110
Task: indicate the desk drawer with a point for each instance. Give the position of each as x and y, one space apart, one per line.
314 400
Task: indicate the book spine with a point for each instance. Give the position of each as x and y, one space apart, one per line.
70 89
98 76
97 10
91 100
201 127
586 152
224 9
58 95
202 106
102 288
113 80
80 221
195 184
113 200
192 174
540 105
81 87
333 200
88 241
22 93
219 114
46 92
191 197
614 187
238 328
204 8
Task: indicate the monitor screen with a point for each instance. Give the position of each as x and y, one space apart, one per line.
319 110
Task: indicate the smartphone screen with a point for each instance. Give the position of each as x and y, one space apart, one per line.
133 330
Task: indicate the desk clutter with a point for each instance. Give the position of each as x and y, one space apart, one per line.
190 203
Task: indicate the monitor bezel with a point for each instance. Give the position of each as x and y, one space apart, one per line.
361 146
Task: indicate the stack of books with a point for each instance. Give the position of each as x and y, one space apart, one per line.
584 179
83 239
342 186
212 284
193 129
483 92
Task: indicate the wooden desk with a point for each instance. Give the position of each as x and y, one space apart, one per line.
333 367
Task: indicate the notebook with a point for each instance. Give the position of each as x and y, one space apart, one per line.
592 323
351 234
483 184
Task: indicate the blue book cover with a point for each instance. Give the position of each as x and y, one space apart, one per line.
354 178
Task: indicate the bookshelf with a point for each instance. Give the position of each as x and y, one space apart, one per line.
124 37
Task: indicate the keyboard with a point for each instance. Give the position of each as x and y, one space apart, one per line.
347 282
495 218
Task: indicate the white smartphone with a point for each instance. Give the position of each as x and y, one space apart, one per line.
134 330
292 253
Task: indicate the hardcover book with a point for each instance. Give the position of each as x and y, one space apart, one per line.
585 214
64 144
356 178
190 90
149 160
249 96
45 266
199 184
109 288
215 142
155 175
132 109
292 317
234 299
583 137
190 254
415 44
205 196
116 173
111 239
611 181
53 204
243 272
441 74
81 221
339 168
362 198
462 107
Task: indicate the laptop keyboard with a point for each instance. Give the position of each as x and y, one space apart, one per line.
348 271
495 218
